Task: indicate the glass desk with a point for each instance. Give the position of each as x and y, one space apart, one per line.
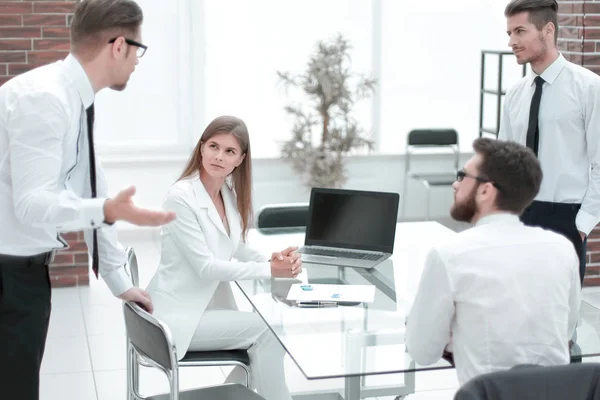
353 342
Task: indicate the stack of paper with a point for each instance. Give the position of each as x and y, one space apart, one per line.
336 293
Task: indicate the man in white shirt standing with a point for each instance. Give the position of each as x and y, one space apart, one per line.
501 293
556 112
50 182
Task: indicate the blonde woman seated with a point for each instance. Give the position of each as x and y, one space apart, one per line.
191 289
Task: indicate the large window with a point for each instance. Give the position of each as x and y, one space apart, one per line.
247 42
153 112
430 68
213 57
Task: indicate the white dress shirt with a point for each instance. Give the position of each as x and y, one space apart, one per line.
501 293
44 168
569 141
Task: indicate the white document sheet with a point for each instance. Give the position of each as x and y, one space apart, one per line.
337 293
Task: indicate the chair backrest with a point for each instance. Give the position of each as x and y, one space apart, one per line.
432 138
283 216
132 265
150 337
532 382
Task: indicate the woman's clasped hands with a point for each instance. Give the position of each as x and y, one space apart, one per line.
286 264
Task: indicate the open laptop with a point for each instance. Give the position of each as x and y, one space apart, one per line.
350 227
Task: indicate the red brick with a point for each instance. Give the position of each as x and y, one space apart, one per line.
570 33
569 20
588 47
41 57
591 59
593 245
15 44
3 69
63 258
77 246
11 20
13 57
81 258
573 57
70 236
594 258
595 233
575 46
595 69
592 270
4 79
56 32
570 8
15 7
44 20
17 69
20 32
591 33
52 44
588 282
591 8
591 21
73 275
54 7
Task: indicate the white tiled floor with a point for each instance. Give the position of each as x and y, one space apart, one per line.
85 352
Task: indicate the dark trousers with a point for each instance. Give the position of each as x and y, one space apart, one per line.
24 317
559 218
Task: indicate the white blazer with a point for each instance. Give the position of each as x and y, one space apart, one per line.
195 267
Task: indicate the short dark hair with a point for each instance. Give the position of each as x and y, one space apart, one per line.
540 12
513 168
95 20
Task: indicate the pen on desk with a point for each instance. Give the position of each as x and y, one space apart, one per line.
316 304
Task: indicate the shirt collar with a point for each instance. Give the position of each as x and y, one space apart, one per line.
80 79
551 73
501 217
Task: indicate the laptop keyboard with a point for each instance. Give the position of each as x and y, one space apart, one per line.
341 254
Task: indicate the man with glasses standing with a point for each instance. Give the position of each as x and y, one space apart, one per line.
501 293
51 182
555 111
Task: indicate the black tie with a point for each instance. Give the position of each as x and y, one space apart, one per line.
533 129
90 125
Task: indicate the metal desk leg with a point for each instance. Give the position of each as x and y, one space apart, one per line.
352 389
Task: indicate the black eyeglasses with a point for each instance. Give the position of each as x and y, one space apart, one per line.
461 174
141 48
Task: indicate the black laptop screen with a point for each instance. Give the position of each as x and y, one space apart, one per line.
352 219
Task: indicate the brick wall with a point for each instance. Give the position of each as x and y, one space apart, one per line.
34 33
579 42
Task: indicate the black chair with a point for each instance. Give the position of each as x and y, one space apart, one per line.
532 382
294 215
191 359
150 340
437 139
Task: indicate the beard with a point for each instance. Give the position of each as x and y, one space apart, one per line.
539 56
465 211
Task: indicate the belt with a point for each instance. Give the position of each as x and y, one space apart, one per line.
38 259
